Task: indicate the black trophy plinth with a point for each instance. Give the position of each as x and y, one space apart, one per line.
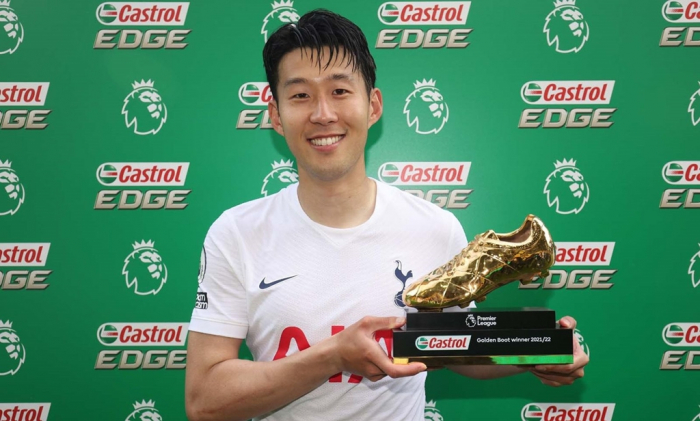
515 336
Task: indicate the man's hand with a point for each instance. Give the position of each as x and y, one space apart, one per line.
359 353
560 375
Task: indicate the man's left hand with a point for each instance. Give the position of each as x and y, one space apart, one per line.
563 374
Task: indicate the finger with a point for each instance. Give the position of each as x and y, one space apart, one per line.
550 383
567 322
560 377
373 324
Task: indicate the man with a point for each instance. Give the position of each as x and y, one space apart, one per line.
309 277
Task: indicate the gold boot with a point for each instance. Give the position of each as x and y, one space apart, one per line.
488 262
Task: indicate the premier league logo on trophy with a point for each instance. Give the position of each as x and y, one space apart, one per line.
501 336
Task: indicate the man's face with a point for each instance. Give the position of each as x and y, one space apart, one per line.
324 114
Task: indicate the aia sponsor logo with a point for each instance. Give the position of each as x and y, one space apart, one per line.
142 174
12 352
21 255
443 342
145 411
566 28
432 413
283 12
424 13
11 189
133 13
12 32
129 335
24 411
254 94
144 269
694 269
142 334
425 108
22 95
681 173
577 254
421 174
282 175
685 335
568 412
566 189
144 109
681 12
559 93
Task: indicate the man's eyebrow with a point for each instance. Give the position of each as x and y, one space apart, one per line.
302 81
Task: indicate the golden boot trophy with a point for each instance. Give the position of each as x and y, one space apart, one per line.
492 336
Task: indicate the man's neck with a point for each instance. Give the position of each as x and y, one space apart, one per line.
342 203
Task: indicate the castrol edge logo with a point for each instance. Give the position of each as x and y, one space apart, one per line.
443 343
142 173
142 334
255 93
568 412
142 13
24 254
682 334
425 173
26 411
681 11
567 92
23 93
682 172
584 253
424 12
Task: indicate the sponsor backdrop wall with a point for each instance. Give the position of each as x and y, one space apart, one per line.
128 128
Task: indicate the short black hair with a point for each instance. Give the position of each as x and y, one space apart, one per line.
315 30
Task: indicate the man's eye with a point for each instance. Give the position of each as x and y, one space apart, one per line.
340 91
300 96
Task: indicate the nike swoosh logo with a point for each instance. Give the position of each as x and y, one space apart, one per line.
263 285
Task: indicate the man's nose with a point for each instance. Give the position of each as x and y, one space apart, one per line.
324 112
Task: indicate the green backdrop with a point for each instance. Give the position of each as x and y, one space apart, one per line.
62 149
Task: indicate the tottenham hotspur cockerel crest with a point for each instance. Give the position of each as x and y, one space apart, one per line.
144 269
144 109
426 110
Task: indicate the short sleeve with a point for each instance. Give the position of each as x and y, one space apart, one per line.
457 243
221 307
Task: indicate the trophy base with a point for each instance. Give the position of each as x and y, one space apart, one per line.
487 360
521 336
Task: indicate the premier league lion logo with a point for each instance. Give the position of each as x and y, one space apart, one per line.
566 27
144 269
11 190
11 350
282 175
283 12
694 108
566 188
12 32
432 413
144 109
694 269
144 411
425 108
582 342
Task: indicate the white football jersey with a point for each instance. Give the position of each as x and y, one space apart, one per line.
284 282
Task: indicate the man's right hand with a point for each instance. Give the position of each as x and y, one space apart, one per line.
359 353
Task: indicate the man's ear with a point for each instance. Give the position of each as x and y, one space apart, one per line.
273 110
376 106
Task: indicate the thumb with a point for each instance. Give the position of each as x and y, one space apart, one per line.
568 322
